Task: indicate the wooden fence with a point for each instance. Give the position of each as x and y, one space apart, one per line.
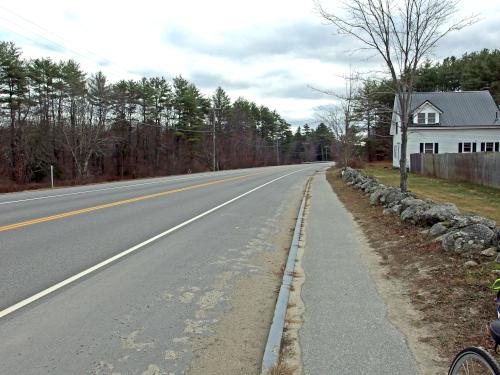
477 167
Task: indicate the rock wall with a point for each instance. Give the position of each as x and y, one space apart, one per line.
460 233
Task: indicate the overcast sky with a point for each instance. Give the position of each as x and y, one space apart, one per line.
269 51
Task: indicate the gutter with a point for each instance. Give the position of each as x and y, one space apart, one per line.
273 346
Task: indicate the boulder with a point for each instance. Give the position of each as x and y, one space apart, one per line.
372 188
369 186
410 201
348 174
375 196
473 238
461 221
395 209
489 252
496 241
470 264
438 229
414 214
392 195
439 212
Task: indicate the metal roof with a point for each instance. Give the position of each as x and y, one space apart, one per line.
460 108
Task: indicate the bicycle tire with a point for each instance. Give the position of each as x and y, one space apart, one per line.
474 354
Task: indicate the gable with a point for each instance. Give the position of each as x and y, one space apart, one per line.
427 106
426 114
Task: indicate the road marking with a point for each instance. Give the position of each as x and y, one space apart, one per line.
117 203
110 188
71 279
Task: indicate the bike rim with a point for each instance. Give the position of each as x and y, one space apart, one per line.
472 364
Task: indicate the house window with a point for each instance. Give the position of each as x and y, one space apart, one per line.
467 147
431 118
429 148
421 118
489 146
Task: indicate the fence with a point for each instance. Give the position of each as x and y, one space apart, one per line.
477 167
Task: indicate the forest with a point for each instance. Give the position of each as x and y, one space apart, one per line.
90 129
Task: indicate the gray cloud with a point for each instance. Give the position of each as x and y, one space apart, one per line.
299 40
291 90
212 80
286 86
484 34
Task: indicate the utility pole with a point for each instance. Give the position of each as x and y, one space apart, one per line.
213 141
277 151
52 176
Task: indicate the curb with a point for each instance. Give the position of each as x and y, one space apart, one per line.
273 345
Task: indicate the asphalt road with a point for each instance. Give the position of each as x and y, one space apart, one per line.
133 315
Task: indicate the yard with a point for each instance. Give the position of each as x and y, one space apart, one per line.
468 197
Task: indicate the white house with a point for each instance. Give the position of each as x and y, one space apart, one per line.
448 122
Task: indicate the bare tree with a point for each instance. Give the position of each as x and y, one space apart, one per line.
402 32
342 119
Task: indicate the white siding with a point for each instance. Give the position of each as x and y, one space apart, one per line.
396 147
447 138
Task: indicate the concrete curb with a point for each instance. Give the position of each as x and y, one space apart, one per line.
273 345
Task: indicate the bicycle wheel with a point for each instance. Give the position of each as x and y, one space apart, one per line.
474 360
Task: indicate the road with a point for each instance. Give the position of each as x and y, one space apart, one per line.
66 308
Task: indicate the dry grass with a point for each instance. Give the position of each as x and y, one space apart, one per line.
468 197
281 369
456 302
293 274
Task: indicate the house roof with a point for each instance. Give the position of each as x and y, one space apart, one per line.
462 108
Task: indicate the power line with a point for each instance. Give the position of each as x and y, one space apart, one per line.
113 72
64 40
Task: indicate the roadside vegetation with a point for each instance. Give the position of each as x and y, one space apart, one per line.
454 301
468 197
92 129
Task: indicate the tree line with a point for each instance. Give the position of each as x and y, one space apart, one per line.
53 113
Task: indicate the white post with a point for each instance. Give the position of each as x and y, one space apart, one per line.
213 140
52 176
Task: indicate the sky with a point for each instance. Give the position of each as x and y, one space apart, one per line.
278 53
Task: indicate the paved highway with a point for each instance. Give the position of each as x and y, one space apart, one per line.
137 277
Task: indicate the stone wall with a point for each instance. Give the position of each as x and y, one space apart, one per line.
464 234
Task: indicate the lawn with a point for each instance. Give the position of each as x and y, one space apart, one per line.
468 197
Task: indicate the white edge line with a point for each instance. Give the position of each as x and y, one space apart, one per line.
111 188
71 279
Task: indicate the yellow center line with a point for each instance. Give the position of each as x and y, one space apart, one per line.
117 203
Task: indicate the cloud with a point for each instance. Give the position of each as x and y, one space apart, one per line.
484 34
213 80
294 90
300 39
